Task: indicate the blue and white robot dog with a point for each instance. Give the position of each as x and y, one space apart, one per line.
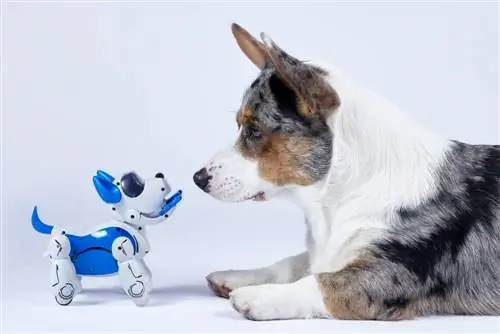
117 247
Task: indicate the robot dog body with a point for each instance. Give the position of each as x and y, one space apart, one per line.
115 248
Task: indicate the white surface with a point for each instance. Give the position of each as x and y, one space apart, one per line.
150 88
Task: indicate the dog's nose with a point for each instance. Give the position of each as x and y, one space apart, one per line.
159 176
202 179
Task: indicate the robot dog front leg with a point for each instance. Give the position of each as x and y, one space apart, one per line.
134 276
65 283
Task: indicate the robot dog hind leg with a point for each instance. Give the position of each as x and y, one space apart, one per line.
64 281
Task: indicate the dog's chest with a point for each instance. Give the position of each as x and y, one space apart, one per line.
333 242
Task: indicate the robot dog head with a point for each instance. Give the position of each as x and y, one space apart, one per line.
133 199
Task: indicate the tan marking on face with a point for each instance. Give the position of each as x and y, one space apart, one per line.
280 162
345 299
279 158
244 116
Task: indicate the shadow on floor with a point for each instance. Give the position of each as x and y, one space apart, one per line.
162 295
231 314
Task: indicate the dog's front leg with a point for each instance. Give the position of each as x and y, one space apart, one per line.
287 270
298 300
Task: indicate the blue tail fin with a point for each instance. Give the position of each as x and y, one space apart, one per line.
38 225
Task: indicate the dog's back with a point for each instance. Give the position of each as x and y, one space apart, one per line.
448 247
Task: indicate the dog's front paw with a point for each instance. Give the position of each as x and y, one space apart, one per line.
263 302
223 282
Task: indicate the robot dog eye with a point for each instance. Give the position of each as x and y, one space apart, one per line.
132 185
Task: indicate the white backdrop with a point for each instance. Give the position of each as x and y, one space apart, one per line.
150 87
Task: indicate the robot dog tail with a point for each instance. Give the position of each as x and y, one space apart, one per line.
38 225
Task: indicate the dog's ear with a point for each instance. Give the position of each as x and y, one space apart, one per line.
251 47
308 82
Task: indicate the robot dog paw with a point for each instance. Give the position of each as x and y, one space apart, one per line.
65 295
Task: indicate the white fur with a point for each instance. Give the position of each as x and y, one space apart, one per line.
382 159
235 178
298 300
377 150
286 270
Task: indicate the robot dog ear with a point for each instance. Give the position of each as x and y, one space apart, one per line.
107 190
103 175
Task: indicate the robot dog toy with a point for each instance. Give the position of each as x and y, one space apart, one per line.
117 247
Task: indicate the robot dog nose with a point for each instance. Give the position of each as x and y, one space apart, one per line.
202 179
159 176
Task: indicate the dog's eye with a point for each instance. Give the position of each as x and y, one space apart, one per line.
277 128
254 133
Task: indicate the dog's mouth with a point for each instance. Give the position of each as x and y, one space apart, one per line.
258 197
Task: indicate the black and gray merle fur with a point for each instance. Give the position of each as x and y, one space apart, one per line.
443 256
275 110
439 257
